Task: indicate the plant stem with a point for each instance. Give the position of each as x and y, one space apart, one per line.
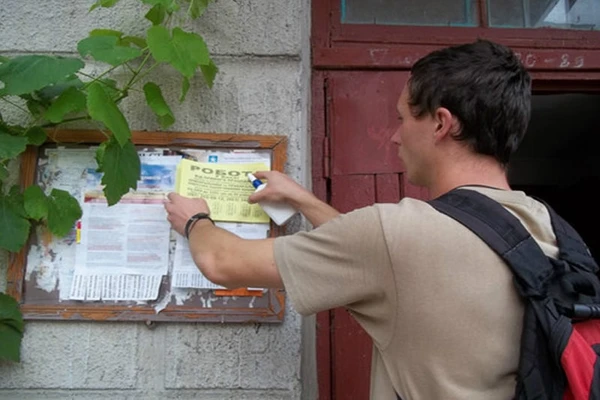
133 80
15 105
136 72
140 77
129 68
106 135
101 82
52 124
94 78
97 78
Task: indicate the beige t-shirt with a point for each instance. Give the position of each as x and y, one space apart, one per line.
439 304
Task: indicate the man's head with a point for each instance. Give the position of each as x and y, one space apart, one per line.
485 89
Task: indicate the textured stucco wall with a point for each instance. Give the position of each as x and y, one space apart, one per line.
261 48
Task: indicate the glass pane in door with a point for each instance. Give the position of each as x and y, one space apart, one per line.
560 14
410 12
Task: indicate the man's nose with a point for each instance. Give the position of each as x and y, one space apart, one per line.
396 136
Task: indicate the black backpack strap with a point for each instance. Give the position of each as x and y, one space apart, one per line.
504 233
571 246
545 330
576 271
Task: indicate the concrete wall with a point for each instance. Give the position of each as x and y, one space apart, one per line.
261 48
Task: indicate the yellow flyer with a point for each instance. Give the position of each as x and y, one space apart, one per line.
225 187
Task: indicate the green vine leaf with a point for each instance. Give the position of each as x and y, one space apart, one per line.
35 202
15 130
100 156
25 74
71 100
103 3
170 5
11 329
36 135
185 86
184 51
14 226
159 43
3 172
9 313
110 87
11 146
103 108
121 167
209 71
156 14
138 41
125 41
63 212
16 198
50 92
35 106
106 32
107 49
157 103
197 8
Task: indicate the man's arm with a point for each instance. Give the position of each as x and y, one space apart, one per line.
282 188
223 257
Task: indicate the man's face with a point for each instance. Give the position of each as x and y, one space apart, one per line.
414 138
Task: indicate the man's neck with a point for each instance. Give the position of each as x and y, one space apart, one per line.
483 171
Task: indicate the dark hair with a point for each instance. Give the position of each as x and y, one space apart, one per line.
484 85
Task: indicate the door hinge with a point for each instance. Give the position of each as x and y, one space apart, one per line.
326 156
326 138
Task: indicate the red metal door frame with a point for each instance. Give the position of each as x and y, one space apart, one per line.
559 61
347 46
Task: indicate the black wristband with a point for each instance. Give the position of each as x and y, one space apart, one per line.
193 219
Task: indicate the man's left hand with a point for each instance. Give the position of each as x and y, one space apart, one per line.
180 209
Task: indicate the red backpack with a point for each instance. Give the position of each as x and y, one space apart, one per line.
560 342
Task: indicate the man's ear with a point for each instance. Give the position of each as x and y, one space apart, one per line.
446 123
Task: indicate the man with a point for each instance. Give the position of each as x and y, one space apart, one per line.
438 303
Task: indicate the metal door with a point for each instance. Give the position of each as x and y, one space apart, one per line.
359 166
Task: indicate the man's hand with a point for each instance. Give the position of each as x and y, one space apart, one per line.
281 188
224 258
180 209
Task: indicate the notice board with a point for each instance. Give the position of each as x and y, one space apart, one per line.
41 277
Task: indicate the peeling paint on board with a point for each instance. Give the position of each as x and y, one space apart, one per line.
208 300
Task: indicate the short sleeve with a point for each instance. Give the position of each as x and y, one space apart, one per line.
344 262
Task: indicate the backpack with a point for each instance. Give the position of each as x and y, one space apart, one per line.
560 341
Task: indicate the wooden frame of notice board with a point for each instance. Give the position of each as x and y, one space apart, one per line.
199 305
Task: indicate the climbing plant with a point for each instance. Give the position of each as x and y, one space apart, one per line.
53 90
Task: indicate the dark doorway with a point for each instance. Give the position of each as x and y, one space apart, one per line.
558 160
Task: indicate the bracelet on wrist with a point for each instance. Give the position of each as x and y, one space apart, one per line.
192 221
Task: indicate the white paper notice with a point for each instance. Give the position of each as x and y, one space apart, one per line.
185 272
234 156
115 287
62 168
124 239
124 249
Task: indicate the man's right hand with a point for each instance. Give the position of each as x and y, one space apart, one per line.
282 188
